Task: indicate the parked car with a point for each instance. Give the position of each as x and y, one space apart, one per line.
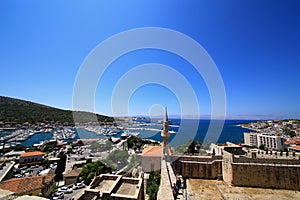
53 166
58 195
19 176
78 186
69 189
62 189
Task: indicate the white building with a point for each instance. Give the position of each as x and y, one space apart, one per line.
250 139
272 142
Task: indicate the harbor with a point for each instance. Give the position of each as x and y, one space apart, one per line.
9 138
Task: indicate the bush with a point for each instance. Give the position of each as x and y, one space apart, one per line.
153 185
93 169
61 166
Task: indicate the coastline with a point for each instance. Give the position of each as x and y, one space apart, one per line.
232 131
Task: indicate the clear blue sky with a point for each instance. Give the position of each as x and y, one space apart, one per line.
255 45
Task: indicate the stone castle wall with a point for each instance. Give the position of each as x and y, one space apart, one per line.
207 167
284 177
269 173
241 170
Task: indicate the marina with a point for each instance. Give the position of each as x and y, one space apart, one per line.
230 132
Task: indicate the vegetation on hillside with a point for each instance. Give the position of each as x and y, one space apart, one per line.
19 111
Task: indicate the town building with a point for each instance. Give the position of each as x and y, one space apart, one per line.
152 155
297 132
13 154
250 139
294 148
151 158
115 187
31 158
72 176
271 141
35 185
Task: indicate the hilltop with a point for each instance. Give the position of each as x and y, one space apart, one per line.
19 111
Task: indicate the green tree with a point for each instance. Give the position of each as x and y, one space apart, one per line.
69 150
93 169
192 148
46 163
61 166
262 147
153 185
289 132
117 159
49 147
285 148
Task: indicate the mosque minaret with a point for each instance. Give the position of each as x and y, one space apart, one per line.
165 134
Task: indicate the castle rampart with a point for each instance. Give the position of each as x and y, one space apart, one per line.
258 172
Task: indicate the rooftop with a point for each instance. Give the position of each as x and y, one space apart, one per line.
295 147
23 185
33 153
114 186
14 153
105 183
129 188
5 194
73 173
153 151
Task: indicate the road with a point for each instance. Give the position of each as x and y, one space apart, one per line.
68 196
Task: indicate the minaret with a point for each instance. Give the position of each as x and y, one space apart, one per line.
165 132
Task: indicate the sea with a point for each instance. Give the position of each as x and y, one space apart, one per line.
186 130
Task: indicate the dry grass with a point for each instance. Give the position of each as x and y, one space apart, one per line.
213 189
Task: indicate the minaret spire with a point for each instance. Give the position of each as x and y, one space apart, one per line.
165 132
166 115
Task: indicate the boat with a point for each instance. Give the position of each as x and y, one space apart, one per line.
127 134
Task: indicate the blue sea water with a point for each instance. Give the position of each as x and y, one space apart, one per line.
230 132
37 138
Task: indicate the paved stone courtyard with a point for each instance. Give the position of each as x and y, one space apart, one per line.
213 189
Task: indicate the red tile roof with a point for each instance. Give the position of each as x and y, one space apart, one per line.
292 142
295 147
24 185
153 151
33 153
60 143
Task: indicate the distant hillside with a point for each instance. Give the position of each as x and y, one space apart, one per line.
19 111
